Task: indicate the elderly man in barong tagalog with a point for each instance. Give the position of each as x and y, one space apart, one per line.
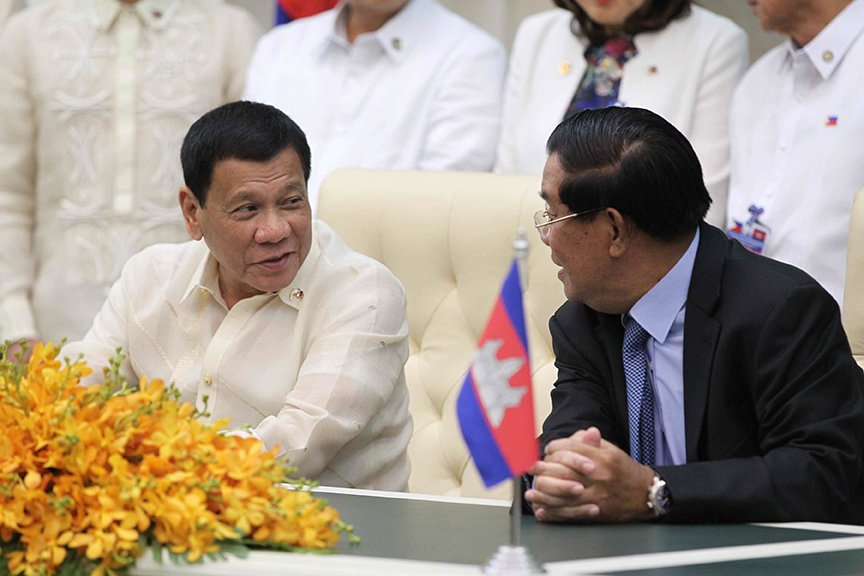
271 320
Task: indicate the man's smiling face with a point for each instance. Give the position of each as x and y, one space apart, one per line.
256 222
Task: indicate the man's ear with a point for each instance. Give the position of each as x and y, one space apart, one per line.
620 232
191 212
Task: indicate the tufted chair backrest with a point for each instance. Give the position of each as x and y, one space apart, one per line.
853 294
448 237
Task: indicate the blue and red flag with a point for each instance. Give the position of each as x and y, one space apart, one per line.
496 406
287 10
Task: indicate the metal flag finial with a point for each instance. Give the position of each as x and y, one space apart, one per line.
520 252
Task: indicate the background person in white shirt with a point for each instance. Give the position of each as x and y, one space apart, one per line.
796 138
272 320
96 96
393 84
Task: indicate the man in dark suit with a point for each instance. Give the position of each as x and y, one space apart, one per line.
696 381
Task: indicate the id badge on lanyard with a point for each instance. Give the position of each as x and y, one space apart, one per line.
752 234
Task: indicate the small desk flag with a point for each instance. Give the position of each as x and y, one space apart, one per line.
287 10
495 406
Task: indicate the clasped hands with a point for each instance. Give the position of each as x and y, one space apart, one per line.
585 478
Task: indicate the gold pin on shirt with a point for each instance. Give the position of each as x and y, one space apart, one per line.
565 68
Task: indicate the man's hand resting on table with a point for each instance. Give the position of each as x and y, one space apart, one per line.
584 477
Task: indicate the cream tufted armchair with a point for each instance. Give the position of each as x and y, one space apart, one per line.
448 237
853 298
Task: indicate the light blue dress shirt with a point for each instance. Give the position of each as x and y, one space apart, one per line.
660 312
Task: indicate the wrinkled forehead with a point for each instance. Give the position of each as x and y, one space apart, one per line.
283 171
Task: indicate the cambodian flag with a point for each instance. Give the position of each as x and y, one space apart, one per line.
287 10
495 406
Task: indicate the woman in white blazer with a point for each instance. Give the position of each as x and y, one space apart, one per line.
684 67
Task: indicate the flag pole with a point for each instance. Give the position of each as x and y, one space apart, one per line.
516 514
515 559
520 251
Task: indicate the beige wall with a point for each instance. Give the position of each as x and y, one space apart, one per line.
502 17
740 12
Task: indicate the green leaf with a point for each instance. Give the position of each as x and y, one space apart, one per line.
156 548
238 549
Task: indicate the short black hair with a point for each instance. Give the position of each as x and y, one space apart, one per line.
634 161
652 16
243 131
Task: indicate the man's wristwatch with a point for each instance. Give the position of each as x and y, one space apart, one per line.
659 498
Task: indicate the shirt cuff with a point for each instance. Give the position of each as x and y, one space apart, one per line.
246 433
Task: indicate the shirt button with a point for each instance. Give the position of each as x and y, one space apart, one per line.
208 381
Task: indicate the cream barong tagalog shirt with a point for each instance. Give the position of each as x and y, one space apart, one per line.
95 99
316 368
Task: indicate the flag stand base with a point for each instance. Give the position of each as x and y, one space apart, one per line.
512 561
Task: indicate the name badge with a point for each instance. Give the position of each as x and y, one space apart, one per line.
752 234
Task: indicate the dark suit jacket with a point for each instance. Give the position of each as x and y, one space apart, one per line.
773 400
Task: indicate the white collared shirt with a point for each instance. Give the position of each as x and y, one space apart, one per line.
422 92
316 368
797 153
96 97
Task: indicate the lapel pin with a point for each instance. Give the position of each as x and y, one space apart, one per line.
296 293
565 68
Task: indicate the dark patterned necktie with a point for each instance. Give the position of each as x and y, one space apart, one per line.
640 396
